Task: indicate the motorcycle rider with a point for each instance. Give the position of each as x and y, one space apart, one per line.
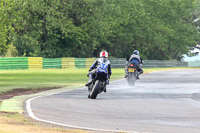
134 58
102 63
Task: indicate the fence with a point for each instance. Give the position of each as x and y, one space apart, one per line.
14 63
52 63
68 63
164 63
194 63
35 62
63 63
120 63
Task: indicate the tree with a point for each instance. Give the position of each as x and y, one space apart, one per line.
159 29
4 29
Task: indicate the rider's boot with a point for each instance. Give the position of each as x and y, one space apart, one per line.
89 83
126 73
90 80
139 74
104 89
107 82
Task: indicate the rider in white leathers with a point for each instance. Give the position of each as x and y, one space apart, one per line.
101 63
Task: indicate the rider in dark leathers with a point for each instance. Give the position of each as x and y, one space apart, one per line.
136 59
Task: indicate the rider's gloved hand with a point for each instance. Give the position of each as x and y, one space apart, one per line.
89 72
108 76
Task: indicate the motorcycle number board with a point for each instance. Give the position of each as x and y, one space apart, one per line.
130 69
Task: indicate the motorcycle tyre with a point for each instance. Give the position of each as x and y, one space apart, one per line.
95 90
131 79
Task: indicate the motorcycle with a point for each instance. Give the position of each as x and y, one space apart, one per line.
132 74
98 84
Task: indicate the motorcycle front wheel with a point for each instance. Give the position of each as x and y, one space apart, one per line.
95 90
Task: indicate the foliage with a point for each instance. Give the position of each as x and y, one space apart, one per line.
160 29
3 26
11 51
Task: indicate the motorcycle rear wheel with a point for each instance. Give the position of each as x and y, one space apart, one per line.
131 79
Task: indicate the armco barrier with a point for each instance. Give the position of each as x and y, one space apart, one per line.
117 62
89 62
68 63
80 62
194 63
52 63
120 63
63 63
13 63
163 63
35 62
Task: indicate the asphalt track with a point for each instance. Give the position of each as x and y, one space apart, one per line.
160 102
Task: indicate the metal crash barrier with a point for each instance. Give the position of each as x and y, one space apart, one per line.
14 63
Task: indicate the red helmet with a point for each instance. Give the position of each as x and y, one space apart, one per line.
104 54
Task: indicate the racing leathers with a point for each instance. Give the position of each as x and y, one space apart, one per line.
100 63
136 59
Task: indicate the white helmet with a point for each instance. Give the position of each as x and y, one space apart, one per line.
136 52
104 54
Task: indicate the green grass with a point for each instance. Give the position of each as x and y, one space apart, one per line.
46 78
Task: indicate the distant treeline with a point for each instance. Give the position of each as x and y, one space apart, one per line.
159 29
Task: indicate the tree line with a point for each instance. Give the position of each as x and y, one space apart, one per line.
159 29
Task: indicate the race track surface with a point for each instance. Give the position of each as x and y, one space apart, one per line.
160 102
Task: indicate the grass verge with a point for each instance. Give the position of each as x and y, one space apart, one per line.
17 123
46 78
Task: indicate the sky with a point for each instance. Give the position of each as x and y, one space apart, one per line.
193 58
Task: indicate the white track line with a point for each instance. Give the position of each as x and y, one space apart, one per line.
31 114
